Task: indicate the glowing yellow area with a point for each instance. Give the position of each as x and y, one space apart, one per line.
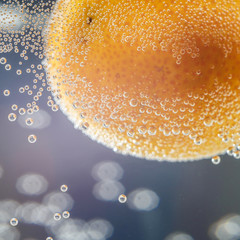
155 79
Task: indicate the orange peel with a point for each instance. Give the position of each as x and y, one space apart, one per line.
154 79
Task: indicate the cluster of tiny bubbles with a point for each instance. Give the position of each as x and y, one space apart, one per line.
64 188
57 216
32 138
216 160
14 222
122 198
130 35
21 32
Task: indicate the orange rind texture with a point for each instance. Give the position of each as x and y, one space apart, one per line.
154 79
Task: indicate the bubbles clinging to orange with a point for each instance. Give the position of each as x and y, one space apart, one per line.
155 79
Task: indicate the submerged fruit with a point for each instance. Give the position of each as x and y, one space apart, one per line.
155 79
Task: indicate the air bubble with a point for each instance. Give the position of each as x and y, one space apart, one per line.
122 198
216 160
152 130
8 67
29 121
133 102
83 115
12 117
14 222
236 154
57 216
35 108
21 89
55 107
197 141
14 107
6 92
230 151
3 60
142 129
19 72
130 133
175 130
66 214
22 111
30 111
85 125
208 122
32 138
64 188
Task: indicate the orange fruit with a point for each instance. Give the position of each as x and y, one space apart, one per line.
154 79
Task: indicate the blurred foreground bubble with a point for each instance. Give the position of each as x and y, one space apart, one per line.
33 213
1 171
178 236
32 184
7 210
58 201
143 200
227 228
67 229
99 229
108 190
73 229
7 232
107 171
40 119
